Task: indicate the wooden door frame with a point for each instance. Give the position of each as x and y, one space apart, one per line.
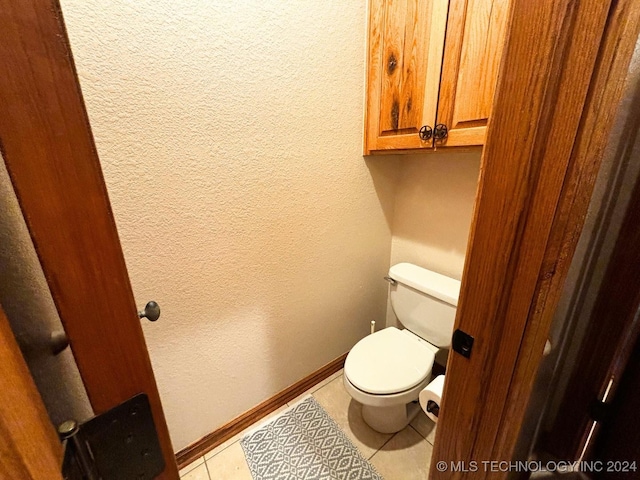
48 147
608 344
29 445
561 79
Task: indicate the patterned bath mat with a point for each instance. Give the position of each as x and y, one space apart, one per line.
304 443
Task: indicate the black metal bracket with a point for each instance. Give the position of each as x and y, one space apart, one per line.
120 444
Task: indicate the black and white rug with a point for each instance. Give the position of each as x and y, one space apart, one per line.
304 443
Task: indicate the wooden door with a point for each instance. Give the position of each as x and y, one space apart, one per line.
29 445
406 40
609 341
48 148
473 48
555 103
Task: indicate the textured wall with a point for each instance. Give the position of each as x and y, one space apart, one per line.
433 210
434 205
230 136
26 299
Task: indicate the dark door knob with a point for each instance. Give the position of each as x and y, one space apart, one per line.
440 132
425 133
151 311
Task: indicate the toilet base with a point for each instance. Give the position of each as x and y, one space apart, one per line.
390 419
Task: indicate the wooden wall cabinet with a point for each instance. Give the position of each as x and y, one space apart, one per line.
431 62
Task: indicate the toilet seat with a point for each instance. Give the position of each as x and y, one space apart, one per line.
389 361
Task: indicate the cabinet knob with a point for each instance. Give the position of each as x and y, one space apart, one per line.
151 311
440 132
425 133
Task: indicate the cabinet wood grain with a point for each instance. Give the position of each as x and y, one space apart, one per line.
474 44
406 41
432 62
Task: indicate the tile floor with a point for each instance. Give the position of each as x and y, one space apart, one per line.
402 456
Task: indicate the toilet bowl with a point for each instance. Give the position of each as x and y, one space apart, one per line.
386 371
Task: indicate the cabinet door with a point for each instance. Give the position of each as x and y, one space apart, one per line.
473 47
406 41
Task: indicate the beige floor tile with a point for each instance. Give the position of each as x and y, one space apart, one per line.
191 466
425 426
299 398
406 456
431 438
238 436
230 464
347 413
224 445
198 473
315 388
326 381
266 419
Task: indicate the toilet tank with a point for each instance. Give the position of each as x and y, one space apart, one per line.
425 302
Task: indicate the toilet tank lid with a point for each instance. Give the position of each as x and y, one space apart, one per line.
432 283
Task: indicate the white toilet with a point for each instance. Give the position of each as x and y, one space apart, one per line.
386 370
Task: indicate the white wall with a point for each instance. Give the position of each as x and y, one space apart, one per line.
433 210
230 135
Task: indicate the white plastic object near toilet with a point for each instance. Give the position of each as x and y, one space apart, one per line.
385 371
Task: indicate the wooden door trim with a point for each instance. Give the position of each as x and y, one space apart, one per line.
49 151
517 236
604 95
29 445
611 335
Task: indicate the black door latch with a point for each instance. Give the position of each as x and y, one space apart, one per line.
462 343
